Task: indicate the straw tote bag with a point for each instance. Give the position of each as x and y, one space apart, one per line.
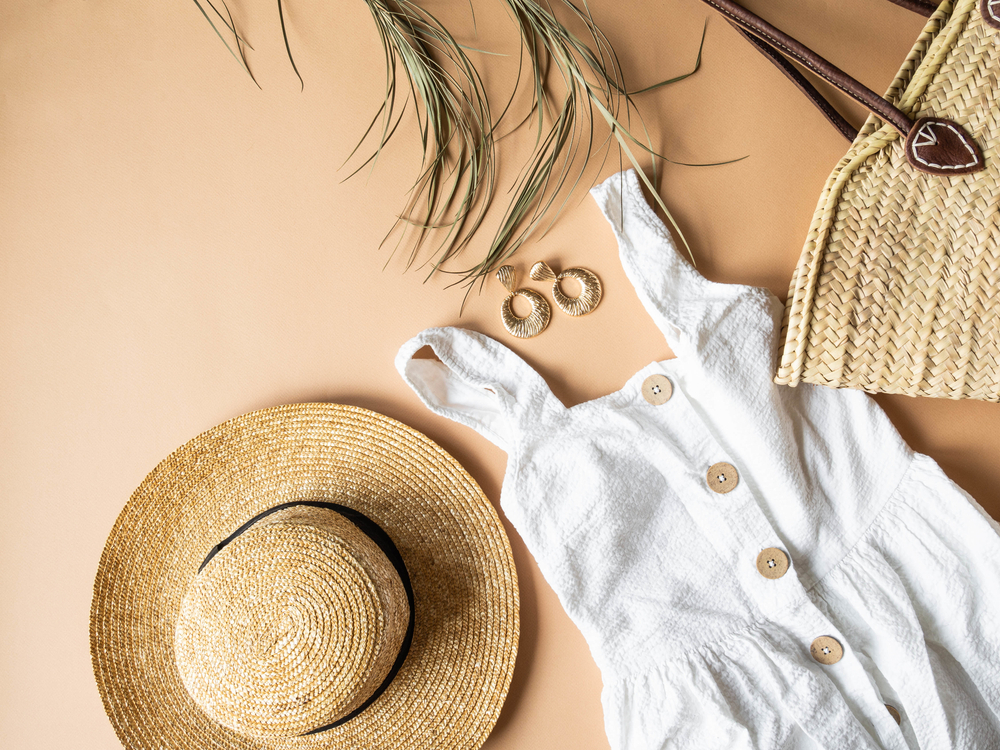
898 286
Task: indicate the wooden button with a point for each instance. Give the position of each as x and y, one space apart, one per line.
826 650
772 563
722 478
657 389
894 713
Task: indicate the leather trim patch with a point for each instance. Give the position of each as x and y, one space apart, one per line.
940 146
991 12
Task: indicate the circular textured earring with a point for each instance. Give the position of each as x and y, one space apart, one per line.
535 322
590 293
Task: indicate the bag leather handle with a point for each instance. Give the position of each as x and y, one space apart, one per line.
802 83
924 8
793 48
932 144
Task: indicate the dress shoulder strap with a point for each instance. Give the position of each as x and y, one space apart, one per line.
476 381
692 312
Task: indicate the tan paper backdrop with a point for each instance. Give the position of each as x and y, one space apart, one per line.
178 247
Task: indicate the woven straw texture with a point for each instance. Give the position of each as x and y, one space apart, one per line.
896 289
450 689
292 626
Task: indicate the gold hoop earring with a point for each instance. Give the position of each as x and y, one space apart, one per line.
535 322
590 292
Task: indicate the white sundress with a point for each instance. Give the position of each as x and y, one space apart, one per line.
752 565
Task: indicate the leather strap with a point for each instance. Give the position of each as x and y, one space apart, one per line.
797 51
931 144
923 7
802 83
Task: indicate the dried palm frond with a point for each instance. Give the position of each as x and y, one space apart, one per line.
231 26
456 184
454 121
590 78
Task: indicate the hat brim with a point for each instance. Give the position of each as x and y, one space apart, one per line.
450 689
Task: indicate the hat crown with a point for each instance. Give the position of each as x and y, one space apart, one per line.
292 625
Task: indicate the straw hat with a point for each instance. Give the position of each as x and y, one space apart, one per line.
307 576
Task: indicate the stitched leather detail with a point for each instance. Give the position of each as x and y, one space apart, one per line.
933 145
801 82
795 49
939 146
991 12
923 7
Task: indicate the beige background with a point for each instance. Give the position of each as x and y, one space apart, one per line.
177 247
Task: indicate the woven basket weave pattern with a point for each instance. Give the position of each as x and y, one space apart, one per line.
897 285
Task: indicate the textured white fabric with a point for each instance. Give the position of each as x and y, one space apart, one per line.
696 648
